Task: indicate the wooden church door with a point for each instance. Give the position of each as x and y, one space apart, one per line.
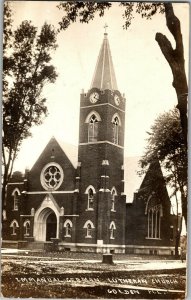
51 225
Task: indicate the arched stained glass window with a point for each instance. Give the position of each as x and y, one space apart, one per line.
154 213
116 130
89 226
112 228
113 194
14 225
93 129
89 230
27 228
16 201
68 228
90 199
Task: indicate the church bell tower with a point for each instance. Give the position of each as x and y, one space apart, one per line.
101 202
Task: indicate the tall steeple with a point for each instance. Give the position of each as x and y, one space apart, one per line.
100 176
104 75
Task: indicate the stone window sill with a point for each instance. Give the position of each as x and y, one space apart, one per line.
150 238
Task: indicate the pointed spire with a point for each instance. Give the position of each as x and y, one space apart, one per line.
104 75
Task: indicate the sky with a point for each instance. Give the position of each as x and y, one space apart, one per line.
142 73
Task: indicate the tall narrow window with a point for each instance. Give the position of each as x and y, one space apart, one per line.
154 212
90 193
68 228
112 228
89 226
14 228
14 225
16 200
113 194
90 199
171 233
116 130
27 228
154 221
89 230
93 129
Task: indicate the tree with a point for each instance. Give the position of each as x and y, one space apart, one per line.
26 70
166 144
85 11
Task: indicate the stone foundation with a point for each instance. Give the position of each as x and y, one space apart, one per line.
55 245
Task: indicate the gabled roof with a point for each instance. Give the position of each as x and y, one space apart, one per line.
71 152
104 75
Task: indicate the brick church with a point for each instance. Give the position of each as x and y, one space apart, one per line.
74 199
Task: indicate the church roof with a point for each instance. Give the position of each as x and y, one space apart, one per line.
104 75
71 152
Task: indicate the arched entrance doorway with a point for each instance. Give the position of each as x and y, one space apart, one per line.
46 225
51 225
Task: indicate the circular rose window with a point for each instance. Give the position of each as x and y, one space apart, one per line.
51 176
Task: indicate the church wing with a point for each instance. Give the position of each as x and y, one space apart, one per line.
149 213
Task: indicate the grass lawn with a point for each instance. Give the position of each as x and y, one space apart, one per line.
72 276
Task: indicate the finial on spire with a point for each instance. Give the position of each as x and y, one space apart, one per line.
105 27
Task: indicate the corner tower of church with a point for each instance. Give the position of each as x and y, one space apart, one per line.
101 158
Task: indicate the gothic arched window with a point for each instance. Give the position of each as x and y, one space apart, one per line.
154 214
27 228
116 123
113 194
90 191
68 228
112 228
16 200
89 230
88 226
92 120
90 199
14 225
116 130
93 129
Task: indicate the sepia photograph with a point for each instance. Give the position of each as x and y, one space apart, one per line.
94 149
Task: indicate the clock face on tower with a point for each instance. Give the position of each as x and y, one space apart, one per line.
94 97
117 100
